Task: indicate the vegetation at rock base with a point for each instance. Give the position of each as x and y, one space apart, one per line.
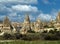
32 36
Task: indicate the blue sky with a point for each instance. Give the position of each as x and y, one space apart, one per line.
16 9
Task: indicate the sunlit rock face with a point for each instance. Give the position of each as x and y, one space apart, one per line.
58 17
38 25
27 22
6 22
57 23
6 25
26 25
51 23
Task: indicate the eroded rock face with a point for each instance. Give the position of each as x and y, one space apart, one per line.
37 25
6 22
6 25
57 24
58 17
26 25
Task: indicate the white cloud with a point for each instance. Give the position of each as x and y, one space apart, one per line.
27 8
19 1
50 16
2 17
12 14
44 17
31 17
3 8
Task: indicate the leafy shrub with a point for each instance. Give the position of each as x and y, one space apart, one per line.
31 36
7 36
31 31
45 31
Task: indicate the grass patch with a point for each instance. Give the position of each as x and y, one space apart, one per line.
30 42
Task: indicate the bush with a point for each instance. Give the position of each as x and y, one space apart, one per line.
51 35
31 31
7 36
18 35
51 31
31 36
45 31
12 36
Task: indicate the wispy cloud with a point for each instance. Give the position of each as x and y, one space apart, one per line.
45 1
44 17
47 17
15 12
12 14
19 1
32 18
48 2
25 8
